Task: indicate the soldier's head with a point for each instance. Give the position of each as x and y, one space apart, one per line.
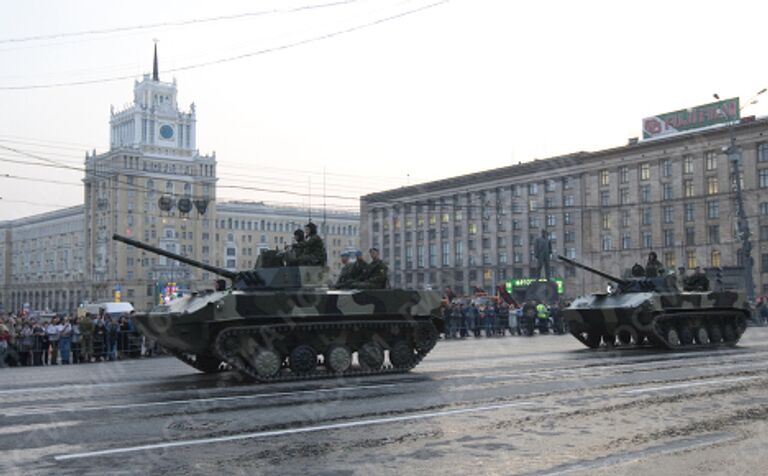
344 258
310 229
359 255
374 252
698 269
652 256
681 270
298 236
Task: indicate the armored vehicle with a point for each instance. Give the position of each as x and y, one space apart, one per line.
654 312
278 322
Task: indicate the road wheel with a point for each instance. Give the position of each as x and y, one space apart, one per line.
371 356
673 337
715 334
702 336
401 354
686 336
303 359
267 362
338 358
592 340
425 338
609 339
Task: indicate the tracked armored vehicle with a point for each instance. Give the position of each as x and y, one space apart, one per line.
277 323
653 312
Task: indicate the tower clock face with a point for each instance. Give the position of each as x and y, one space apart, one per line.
166 131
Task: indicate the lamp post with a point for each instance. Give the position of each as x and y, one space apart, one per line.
734 157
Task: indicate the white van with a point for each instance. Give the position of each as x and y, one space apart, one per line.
111 309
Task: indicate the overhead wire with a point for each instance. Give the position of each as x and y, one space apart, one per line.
238 57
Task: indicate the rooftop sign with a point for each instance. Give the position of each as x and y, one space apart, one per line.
689 119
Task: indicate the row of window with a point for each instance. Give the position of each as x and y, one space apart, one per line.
710 164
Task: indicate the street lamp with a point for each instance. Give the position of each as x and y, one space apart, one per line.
734 156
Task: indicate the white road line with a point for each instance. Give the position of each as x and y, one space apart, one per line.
687 385
291 431
192 400
74 386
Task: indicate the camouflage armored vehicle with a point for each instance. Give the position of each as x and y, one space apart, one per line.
653 312
279 323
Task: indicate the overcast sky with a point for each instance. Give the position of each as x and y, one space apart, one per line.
459 87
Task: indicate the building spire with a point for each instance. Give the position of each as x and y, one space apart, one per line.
155 72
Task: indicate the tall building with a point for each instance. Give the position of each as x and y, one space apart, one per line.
152 155
609 208
155 186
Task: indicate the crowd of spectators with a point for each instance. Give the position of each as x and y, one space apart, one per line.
38 341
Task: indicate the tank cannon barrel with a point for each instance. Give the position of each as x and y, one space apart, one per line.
159 251
619 281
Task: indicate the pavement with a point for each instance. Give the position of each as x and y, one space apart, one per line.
540 406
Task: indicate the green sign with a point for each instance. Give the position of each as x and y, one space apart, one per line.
511 284
689 119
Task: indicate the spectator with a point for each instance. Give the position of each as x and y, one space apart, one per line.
25 344
52 330
99 339
76 341
39 345
112 330
65 340
5 336
487 317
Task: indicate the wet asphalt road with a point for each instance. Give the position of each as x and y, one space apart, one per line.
531 406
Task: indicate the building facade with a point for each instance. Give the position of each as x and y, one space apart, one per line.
609 208
152 185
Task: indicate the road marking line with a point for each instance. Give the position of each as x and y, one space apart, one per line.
687 385
74 386
291 431
194 400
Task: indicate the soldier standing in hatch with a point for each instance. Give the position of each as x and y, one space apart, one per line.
313 250
698 281
653 268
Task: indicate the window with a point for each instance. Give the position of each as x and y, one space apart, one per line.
551 220
516 191
647 239
669 238
624 175
568 218
669 260
645 171
604 177
764 232
420 256
690 236
713 209
549 202
533 221
666 168
607 243
714 234
714 258
625 218
432 255
624 196
626 241
667 213
517 240
688 188
569 236
606 219
568 201
517 257
550 184
645 216
605 198
459 252
763 178
516 207
764 208
567 183
765 262
689 211
666 191
690 258
762 152
710 160
472 228
532 205
645 193
712 185
688 164
533 188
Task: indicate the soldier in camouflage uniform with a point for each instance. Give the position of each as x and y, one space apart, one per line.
375 274
86 337
346 270
313 250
